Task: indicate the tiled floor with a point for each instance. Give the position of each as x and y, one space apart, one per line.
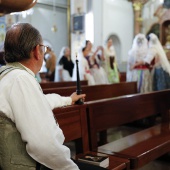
117 133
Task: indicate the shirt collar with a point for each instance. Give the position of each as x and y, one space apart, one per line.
28 70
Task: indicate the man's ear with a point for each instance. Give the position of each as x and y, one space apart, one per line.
36 52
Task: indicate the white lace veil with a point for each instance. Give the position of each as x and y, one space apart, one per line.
139 47
58 66
155 43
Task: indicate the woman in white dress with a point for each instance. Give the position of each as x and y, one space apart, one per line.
110 64
157 58
84 70
140 73
93 59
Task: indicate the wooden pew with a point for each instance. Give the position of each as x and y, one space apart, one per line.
73 121
98 91
142 147
46 85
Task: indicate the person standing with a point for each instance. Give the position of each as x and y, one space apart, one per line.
24 104
94 59
110 63
140 73
84 69
65 65
157 59
50 58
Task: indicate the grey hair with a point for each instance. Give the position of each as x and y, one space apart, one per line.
20 40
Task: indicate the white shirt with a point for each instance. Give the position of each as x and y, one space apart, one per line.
24 103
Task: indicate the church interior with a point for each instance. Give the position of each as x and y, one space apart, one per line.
68 23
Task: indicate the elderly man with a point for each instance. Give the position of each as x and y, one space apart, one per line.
23 102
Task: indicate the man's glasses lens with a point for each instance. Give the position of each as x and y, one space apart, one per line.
45 48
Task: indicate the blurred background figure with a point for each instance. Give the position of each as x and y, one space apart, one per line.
110 64
94 60
84 69
65 65
50 59
161 67
159 63
139 72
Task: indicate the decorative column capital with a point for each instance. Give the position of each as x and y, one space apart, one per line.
137 6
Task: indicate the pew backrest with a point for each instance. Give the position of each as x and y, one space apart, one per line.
98 91
47 85
106 113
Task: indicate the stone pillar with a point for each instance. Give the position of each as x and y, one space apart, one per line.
137 7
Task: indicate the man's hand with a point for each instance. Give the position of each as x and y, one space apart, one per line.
76 97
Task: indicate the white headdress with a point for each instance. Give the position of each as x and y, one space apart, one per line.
139 47
155 43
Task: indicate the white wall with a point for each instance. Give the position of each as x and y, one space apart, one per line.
98 21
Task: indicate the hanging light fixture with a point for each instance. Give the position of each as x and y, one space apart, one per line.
54 27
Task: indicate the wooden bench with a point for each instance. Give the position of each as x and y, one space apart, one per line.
73 121
142 147
46 85
98 91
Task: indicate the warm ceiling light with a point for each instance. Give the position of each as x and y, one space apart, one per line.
8 6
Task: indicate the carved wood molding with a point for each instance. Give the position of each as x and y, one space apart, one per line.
8 6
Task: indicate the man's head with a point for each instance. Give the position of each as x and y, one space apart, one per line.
23 43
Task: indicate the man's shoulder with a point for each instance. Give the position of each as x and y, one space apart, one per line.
19 72
15 74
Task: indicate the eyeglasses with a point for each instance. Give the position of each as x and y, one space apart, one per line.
45 47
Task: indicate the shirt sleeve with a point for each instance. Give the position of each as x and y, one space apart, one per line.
56 100
35 121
